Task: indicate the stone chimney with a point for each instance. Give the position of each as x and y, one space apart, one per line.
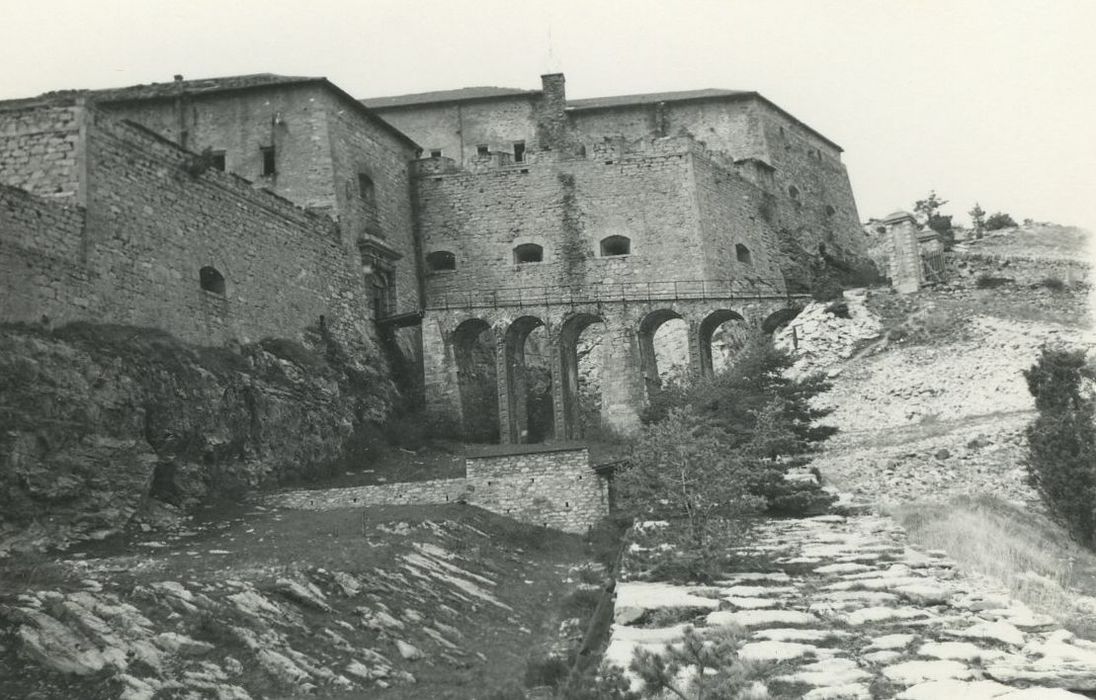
551 112
905 252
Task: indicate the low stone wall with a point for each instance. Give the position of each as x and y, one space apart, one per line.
547 485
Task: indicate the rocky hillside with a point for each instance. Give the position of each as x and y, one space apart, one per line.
401 603
102 423
928 391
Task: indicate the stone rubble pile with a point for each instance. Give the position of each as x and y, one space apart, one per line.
820 337
846 609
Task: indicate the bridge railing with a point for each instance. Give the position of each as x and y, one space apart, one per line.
671 290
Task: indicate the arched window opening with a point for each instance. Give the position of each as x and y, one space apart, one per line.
793 191
616 245
830 211
211 280
743 254
528 253
367 190
441 260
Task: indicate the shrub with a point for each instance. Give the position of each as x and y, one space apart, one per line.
999 220
1053 284
991 282
678 470
1062 440
760 420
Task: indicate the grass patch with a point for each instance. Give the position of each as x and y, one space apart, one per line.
1027 552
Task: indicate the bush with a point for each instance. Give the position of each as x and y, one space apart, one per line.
827 288
679 471
991 282
1062 440
999 220
1053 284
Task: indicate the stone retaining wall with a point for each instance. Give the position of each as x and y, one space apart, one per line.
551 486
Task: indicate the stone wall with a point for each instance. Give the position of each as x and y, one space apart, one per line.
967 267
547 485
457 129
322 144
39 147
133 255
684 227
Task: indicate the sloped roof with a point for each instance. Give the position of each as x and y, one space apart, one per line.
160 91
203 85
481 92
653 98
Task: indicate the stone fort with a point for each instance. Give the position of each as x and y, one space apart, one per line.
442 230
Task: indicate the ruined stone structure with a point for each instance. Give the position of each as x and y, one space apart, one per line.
531 214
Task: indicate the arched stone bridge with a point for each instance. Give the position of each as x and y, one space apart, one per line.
475 369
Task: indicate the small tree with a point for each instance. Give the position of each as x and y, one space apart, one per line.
999 220
1062 440
978 220
680 471
928 213
716 670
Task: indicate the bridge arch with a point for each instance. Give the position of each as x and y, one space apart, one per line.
649 325
574 393
475 350
733 330
529 410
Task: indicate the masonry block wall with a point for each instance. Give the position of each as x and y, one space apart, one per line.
322 146
458 129
133 255
39 148
554 488
548 486
683 228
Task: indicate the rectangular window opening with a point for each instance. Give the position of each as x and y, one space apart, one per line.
219 160
481 150
519 151
435 153
268 160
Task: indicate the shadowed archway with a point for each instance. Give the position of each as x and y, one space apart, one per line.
529 385
477 379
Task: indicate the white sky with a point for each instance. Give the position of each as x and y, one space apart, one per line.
988 100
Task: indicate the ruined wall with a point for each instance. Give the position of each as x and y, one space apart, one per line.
149 227
458 128
550 486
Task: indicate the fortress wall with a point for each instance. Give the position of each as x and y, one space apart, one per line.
457 128
804 161
39 147
567 207
289 117
730 214
41 268
152 227
358 146
133 255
